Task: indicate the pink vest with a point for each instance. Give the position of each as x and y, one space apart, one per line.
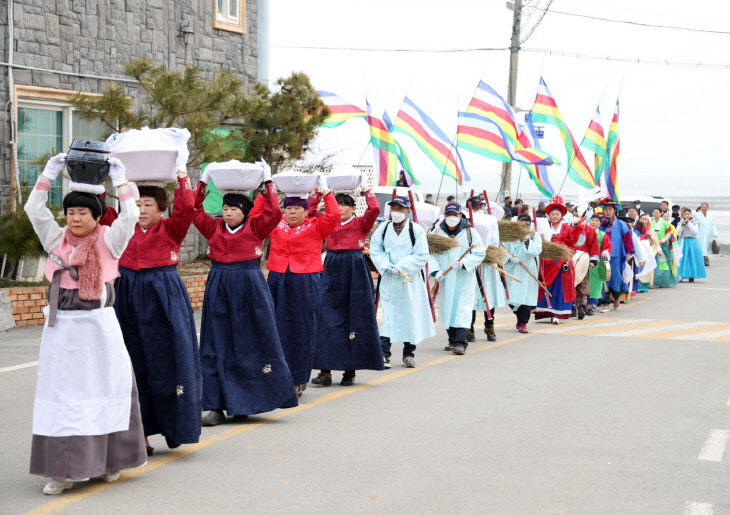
109 268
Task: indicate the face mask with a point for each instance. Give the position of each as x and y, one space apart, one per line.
397 216
452 221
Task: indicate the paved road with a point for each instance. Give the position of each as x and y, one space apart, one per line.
626 412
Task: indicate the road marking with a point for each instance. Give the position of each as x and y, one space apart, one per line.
624 326
698 508
647 328
550 329
714 446
691 328
19 367
74 496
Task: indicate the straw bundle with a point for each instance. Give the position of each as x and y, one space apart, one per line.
495 256
438 244
552 250
513 231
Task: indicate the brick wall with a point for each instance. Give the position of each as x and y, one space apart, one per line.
28 303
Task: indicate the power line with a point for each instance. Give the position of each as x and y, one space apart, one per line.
410 50
636 23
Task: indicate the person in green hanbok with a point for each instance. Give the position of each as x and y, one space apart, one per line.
663 275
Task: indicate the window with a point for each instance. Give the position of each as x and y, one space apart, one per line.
46 128
230 15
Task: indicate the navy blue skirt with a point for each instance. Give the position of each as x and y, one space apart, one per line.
157 322
348 336
244 370
297 303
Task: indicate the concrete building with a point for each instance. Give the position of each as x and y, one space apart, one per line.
55 48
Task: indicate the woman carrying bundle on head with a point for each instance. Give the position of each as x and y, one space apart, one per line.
295 270
156 317
558 274
86 418
348 337
244 369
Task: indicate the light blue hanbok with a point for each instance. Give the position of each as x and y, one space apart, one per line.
458 287
707 232
488 228
526 292
406 313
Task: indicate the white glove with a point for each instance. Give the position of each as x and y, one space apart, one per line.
205 178
456 265
323 183
514 259
117 172
181 163
439 277
267 169
606 255
54 166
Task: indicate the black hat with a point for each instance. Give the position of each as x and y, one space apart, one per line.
476 200
627 219
400 201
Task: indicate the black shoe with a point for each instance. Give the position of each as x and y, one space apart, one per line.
691 279
449 347
172 444
573 312
581 313
322 380
491 335
459 350
707 261
347 380
470 336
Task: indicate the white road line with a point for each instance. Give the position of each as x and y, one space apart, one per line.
698 508
702 336
655 329
583 326
727 403
714 446
19 367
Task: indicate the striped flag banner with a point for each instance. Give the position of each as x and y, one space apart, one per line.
385 148
545 110
595 142
613 144
538 173
429 137
340 109
402 157
488 103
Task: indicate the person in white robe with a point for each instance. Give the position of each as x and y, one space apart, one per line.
708 232
523 295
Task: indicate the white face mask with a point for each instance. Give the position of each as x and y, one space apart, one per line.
452 221
397 216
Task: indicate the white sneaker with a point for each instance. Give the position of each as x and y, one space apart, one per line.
556 321
56 486
110 477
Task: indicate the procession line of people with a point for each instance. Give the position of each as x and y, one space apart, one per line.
120 359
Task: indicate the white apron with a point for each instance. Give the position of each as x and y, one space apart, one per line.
84 383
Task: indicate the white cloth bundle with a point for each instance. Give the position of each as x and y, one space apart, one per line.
151 154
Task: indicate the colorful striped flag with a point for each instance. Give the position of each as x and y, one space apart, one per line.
429 137
386 150
340 109
545 110
402 157
538 173
595 142
613 144
488 103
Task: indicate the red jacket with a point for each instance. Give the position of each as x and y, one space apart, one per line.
299 248
588 241
353 233
160 244
568 236
247 241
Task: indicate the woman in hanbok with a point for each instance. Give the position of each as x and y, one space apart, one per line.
664 276
348 337
651 246
692 265
457 278
157 320
243 364
558 274
295 279
86 418
597 274
523 295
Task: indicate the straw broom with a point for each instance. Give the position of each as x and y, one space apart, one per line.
438 244
551 250
513 231
495 256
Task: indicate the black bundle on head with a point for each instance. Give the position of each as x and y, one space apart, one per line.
345 199
239 201
157 193
80 199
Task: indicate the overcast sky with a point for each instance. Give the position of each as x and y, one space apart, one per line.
673 120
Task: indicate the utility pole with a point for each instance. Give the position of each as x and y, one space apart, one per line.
514 50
